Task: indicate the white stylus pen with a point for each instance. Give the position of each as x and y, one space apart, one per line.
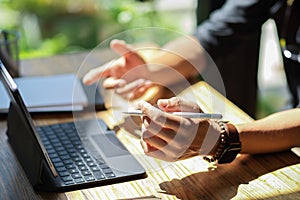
181 114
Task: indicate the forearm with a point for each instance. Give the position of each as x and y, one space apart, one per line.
277 132
180 59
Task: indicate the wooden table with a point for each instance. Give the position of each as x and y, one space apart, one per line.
272 176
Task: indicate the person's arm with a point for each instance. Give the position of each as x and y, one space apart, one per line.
179 59
216 36
277 132
183 55
132 74
172 138
233 22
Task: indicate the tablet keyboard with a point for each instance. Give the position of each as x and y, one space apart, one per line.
71 160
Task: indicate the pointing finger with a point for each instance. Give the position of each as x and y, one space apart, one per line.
97 73
120 47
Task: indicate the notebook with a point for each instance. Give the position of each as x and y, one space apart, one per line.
55 157
55 93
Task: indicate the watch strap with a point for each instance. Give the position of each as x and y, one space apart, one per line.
232 147
229 144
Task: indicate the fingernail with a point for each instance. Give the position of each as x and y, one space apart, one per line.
162 102
121 83
141 81
144 145
147 82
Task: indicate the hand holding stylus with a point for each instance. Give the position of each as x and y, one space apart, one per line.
169 137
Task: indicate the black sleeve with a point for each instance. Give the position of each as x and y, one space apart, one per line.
235 20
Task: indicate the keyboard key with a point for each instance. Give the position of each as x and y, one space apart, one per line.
61 169
54 140
86 172
65 142
69 182
72 151
51 151
65 157
67 178
77 159
58 164
76 175
80 163
86 157
73 154
55 160
89 178
70 166
82 151
99 175
65 173
67 162
48 147
82 168
80 148
91 164
94 169
73 171
46 142
62 153
77 143
53 155
110 175
104 166
79 180
69 147
59 148
100 161
107 171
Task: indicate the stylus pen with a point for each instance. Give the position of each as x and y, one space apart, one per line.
181 114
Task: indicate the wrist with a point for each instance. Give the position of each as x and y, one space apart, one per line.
214 149
228 145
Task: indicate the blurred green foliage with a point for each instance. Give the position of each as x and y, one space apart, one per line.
51 27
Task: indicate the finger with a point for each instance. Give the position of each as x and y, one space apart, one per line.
120 47
139 92
134 89
159 117
97 73
127 91
152 151
146 147
153 141
92 76
111 83
131 86
123 49
156 130
172 104
177 104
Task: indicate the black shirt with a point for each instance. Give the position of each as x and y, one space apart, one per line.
237 20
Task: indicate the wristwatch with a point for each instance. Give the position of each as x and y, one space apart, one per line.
229 145
232 147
